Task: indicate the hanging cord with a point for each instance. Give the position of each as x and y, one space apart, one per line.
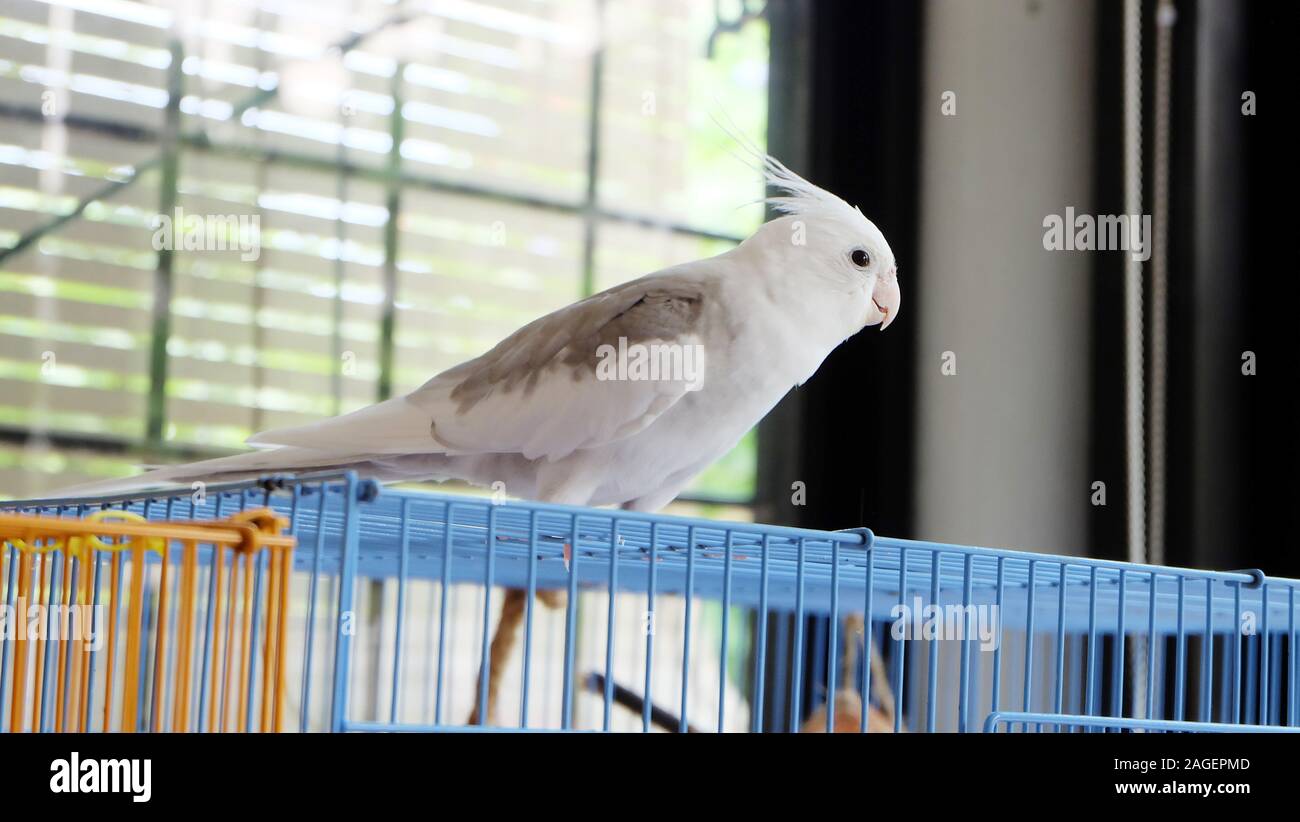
1133 328
1166 16
1133 331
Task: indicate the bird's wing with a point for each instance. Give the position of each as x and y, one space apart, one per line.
539 392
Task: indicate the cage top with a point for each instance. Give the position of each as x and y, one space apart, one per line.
470 539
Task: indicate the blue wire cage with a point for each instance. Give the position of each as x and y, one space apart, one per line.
690 624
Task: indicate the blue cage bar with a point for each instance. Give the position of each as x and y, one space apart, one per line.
689 624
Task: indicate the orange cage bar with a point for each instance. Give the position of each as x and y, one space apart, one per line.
111 630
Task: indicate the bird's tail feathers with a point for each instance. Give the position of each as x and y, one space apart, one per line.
251 465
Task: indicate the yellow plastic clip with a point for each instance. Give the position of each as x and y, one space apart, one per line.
77 545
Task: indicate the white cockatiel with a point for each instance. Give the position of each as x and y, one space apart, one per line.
561 412
550 414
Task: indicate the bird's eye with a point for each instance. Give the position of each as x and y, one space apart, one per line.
860 258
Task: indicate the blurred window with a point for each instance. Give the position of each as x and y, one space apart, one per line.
448 157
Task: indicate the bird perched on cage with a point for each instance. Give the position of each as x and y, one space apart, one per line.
624 397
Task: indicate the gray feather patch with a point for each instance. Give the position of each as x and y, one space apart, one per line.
654 307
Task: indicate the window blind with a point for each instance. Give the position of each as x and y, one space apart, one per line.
449 158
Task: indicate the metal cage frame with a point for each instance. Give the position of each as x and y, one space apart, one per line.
1081 644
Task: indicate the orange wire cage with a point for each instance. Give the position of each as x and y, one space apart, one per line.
106 614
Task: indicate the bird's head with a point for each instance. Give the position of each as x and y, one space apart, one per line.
835 244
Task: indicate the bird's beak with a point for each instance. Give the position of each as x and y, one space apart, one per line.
885 299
